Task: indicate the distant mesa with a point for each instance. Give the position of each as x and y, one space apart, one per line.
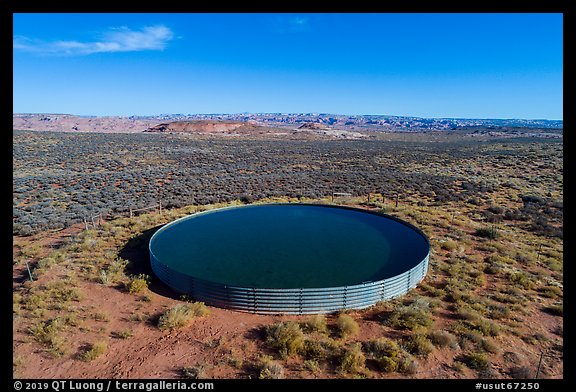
314 126
200 126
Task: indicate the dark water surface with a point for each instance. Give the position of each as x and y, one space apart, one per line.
289 246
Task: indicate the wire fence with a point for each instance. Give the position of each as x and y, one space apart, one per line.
95 221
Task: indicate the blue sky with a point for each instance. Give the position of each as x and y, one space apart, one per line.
428 65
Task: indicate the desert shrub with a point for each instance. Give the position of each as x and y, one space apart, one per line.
125 334
316 323
489 346
312 365
410 317
449 245
390 357
418 344
95 350
488 232
270 369
352 359
498 312
521 279
493 268
551 292
387 364
346 325
193 372
521 372
466 312
535 338
138 284
286 337
181 315
316 350
455 294
16 301
525 258
34 301
62 291
443 339
407 364
114 272
556 310
496 209
382 347
431 290
101 316
485 327
47 333
476 361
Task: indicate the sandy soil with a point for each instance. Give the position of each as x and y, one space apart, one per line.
228 344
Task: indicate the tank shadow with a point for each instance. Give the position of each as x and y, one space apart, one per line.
136 252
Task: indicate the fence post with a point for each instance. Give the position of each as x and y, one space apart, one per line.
397 200
160 207
130 212
29 272
539 364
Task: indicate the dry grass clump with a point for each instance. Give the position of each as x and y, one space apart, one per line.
95 350
193 372
270 369
551 292
138 284
556 310
443 339
347 326
47 333
316 323
182 315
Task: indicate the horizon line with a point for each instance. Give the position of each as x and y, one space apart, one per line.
287 113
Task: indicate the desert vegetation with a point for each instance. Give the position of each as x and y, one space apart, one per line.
61 179
491 303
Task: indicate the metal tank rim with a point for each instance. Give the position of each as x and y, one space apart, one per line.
290 300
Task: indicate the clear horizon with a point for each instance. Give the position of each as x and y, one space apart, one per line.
287 113
452 66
